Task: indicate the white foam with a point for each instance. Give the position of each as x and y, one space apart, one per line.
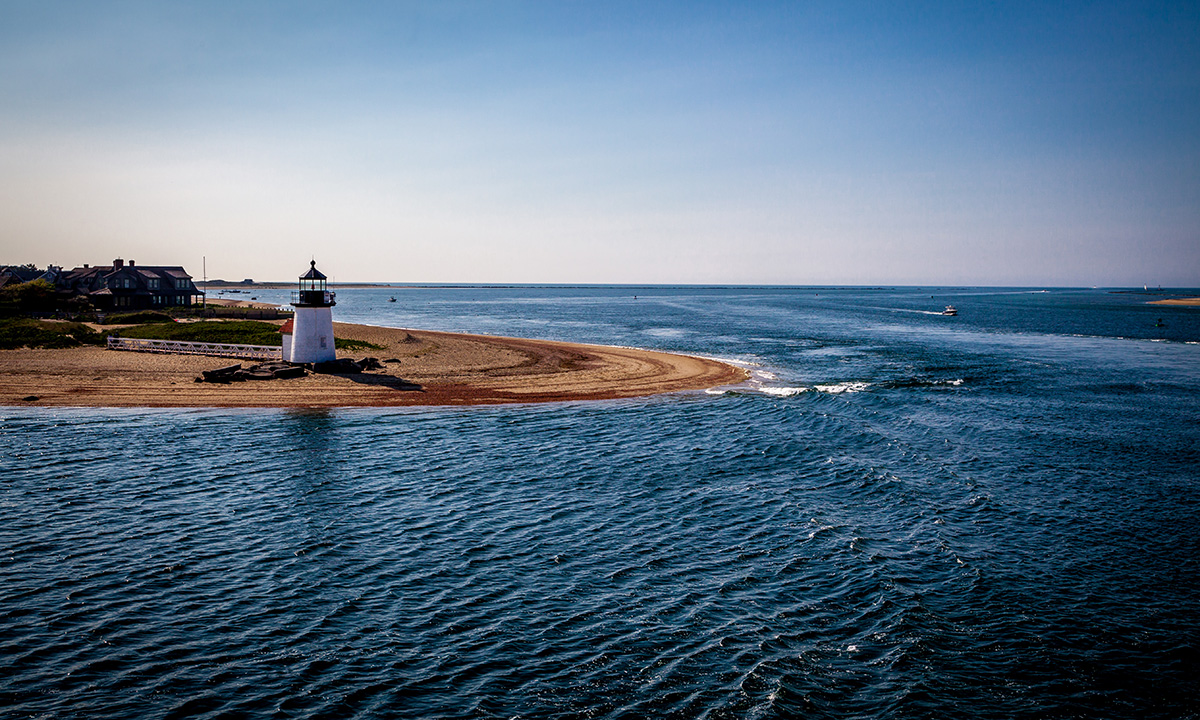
782 391
739 362
666 332
846 387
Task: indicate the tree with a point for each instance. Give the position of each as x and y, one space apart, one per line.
30 296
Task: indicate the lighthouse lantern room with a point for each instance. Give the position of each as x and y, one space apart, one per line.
312 323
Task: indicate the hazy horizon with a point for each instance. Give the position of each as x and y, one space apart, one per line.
823 144
418 284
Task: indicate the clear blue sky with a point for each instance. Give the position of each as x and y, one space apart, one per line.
838 142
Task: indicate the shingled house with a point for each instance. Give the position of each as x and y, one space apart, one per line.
128 286
17 274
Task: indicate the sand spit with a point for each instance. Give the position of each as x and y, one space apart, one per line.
434 368
1187 302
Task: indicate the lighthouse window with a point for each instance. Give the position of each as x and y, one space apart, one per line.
322 341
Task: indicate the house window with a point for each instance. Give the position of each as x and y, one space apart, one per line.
152 283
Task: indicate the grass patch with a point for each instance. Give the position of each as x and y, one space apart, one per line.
27 332
239 332
143 317
347 344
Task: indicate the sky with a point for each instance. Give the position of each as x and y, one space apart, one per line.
792 143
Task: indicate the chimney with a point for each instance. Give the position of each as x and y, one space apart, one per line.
131 263
118 263
86 266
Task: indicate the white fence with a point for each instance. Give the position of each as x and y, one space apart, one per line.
180 347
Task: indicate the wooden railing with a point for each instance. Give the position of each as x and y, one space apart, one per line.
181 347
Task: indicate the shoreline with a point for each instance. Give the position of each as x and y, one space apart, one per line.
235 302
426 368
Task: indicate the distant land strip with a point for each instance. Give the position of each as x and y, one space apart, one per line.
1192 301
420 367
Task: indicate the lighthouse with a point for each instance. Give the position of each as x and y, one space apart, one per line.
311 339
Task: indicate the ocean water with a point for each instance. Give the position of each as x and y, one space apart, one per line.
902 515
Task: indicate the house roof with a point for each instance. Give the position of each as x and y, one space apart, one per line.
21 274
286 328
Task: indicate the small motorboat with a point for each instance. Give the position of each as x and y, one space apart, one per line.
391 299
950 310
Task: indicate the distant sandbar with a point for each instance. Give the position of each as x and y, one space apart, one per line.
1178 301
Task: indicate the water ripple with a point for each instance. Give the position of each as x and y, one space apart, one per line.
905 551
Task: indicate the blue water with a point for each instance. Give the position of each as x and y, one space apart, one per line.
902 515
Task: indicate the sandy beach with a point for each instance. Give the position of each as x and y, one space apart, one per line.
1187 302
433 368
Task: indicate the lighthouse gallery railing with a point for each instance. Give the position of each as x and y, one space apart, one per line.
313 297
182 347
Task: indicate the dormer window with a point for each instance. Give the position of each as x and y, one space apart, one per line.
152 283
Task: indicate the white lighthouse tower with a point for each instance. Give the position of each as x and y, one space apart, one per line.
312 323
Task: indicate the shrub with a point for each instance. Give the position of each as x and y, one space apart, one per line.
32 296
26 332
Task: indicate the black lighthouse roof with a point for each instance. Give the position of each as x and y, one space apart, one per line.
313 273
